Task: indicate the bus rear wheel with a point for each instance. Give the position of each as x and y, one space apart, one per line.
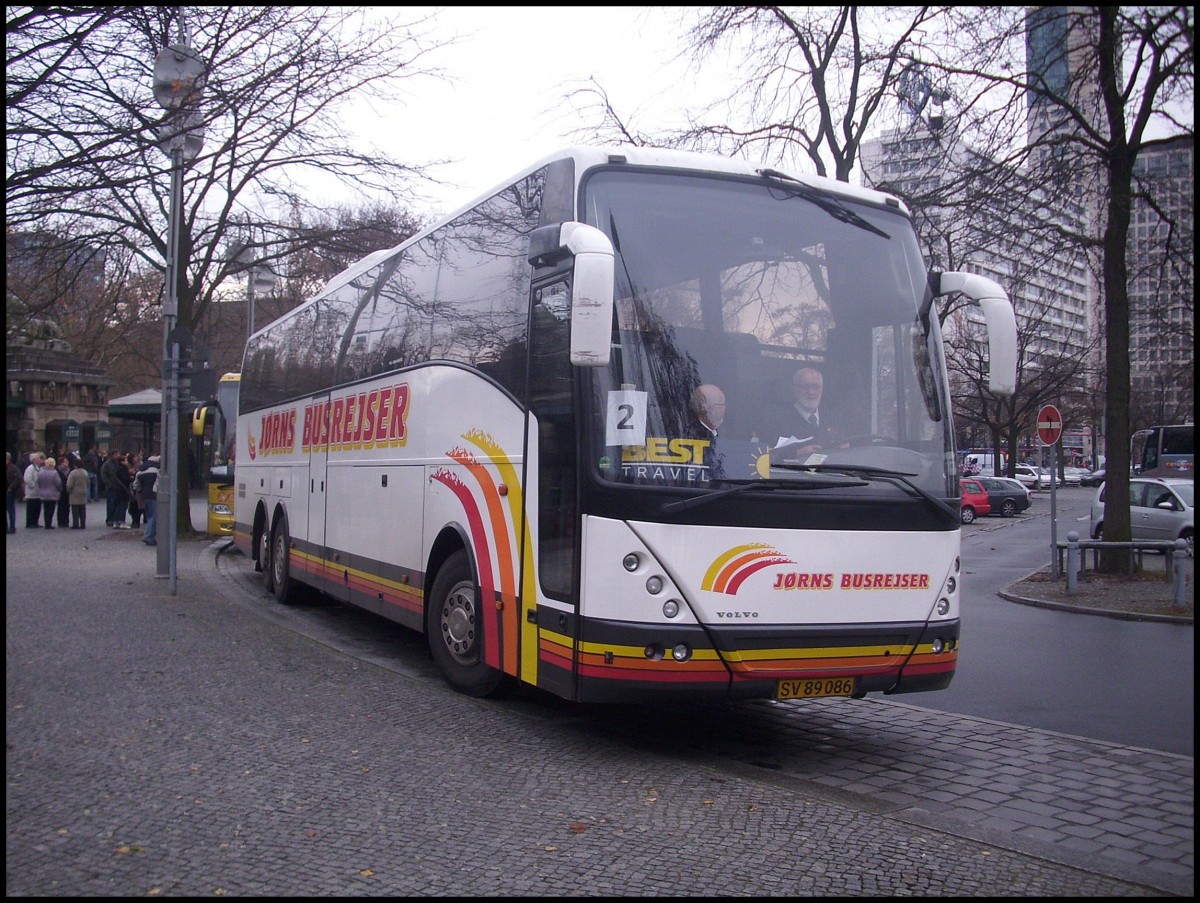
264 558
454 629
280 568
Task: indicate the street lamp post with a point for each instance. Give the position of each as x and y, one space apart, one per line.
179 79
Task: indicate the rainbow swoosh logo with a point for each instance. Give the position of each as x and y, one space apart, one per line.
730 569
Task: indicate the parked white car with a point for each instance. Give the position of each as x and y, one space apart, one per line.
1034 477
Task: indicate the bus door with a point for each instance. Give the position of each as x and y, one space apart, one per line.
554 512
331 575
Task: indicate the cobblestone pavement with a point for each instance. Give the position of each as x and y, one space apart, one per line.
212 743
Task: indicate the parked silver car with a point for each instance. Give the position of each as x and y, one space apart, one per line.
1161 509
1073 476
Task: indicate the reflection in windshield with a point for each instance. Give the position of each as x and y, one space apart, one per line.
804 314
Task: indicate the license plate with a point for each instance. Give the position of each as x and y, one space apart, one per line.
814 688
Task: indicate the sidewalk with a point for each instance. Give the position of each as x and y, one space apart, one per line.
1146 596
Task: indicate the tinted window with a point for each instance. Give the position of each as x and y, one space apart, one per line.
397 332
481 315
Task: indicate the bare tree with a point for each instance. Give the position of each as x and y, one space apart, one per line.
1074 118
83 155
1093 97
816 81
1042 372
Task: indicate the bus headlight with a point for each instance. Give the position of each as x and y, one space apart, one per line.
682 652
630 562
671 608
943 605
654 585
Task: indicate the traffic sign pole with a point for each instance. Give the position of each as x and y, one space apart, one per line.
1049 430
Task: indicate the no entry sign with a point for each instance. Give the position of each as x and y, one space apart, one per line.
1049 424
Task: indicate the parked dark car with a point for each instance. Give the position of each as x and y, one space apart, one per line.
1007 497
1095 478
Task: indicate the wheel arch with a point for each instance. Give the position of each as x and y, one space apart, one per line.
452 538
263 521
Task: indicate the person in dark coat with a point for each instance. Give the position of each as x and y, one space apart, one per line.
147 483
110 487
14 490
804 420
707 413
124 492
64 505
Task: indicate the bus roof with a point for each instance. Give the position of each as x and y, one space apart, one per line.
586 157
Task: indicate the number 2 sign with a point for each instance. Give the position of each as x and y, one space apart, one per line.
626 421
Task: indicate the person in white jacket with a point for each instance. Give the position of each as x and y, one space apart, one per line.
33 498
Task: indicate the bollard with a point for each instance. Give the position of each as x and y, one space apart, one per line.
1072 561
1182 566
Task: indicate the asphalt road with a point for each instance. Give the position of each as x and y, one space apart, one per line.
1124 681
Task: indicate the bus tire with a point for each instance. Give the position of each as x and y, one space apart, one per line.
454 629
264 558
280 564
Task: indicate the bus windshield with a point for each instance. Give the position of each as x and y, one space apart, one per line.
790 303
214 426
224 439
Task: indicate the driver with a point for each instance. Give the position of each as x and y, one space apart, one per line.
804 420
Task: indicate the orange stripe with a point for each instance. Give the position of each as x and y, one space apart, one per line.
511 613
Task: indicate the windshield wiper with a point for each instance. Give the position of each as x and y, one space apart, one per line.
810 481
882 473
838 211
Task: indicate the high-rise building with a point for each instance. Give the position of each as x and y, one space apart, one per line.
1057 283
1162 311
1008 236
1062 61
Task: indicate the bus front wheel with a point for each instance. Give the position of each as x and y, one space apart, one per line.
454 628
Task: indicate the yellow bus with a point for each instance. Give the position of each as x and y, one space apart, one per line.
214 425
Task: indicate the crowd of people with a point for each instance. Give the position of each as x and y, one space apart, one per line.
57 488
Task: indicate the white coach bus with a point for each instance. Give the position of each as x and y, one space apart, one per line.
487 434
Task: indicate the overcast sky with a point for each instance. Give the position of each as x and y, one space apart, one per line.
503 103
511 69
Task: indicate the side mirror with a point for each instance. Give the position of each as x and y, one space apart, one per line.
1000 319
592 285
